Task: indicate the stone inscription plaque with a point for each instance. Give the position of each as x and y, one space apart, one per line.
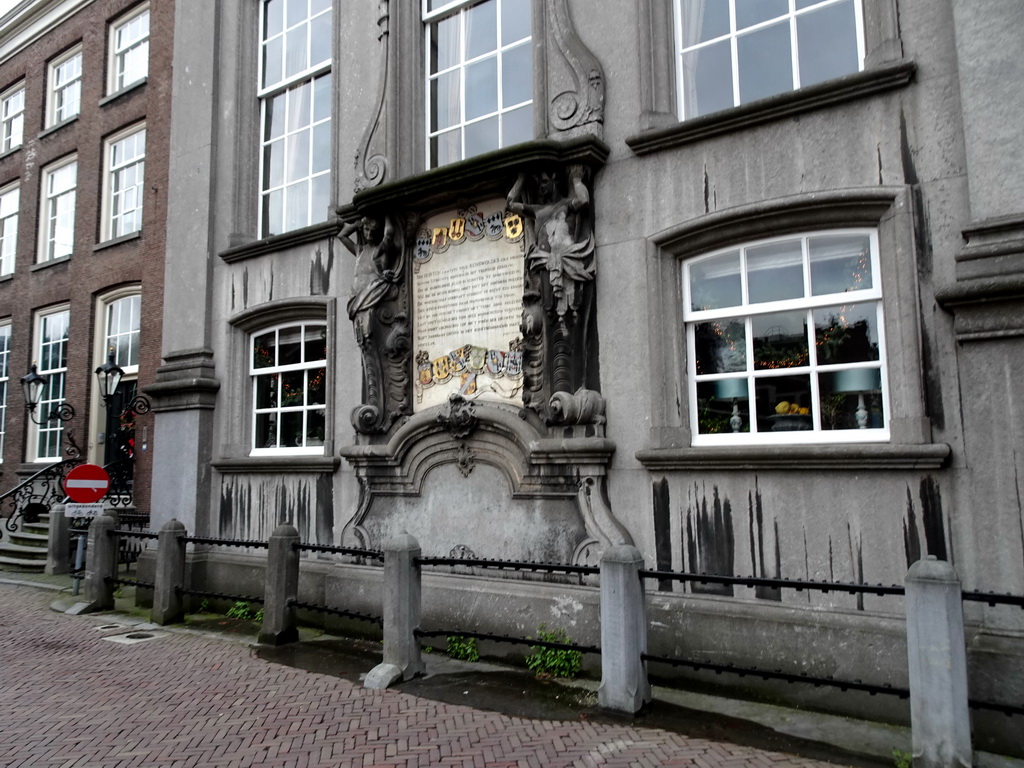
467 287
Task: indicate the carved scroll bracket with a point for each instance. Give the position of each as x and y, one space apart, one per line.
371 161
579 109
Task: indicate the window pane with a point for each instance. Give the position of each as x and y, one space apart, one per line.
707 79
715 282
517 126
293 388
315 344
296 54
481 29
316 427
445 148
291 429
846 334
722 407
764 62
775 272
315 390
273 212
299 106
320 39
266 430
321 148
272 53
827 43
750 12
445 45
295 11
517 75
289 350
446 100
780 340
851 399
720 346
704 20
320 198
296 205
322 98
783 404
515 20
840 263
273 19
481 89
482 137
263 351
297 160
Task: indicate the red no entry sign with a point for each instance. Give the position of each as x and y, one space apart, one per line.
86 483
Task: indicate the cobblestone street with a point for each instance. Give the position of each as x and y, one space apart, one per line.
73 697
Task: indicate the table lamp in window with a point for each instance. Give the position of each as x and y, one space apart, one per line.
735 390
858 381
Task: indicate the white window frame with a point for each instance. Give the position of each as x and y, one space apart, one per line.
5 375
49 211
63 87
129 308
10 201
115 193
55 390
291 198
734 35
751 375
123 69
12 117
460 123
280 409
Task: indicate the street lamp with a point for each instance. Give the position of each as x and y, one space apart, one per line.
108 376
32 385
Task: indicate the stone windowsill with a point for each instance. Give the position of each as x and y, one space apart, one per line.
799 458
117 240
131 88
276 243
278 464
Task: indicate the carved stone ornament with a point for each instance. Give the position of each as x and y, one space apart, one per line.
560 381
464 460
371 161
461 419
579 109
380 320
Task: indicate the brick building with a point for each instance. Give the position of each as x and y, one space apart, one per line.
85 102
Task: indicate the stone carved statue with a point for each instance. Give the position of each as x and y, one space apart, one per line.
376 283
564 242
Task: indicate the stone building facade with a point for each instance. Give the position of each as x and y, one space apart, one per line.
738 284
86 110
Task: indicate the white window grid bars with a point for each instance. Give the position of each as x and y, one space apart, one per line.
286 85
279 370
52 356
130 49
430 19
126 169
734 35
124 317
745 312
5 368
60 183
65 87
12 117
9 202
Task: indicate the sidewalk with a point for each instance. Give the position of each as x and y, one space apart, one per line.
81 691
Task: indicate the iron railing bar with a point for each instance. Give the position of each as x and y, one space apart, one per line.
507 639
516 565
755 581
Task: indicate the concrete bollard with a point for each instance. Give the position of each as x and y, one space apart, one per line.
168 607
402 659
624 684
100 565
282 585
937 660
57 554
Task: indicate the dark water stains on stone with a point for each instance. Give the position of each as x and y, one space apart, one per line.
662 531
857 561
911 539
319 274
932 522
710 542
755 517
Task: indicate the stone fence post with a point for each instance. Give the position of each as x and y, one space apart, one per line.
100 565
57 548
282 585
624 684
402 659
168 607
937 661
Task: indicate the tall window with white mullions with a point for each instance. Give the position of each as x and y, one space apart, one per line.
126 165
295 99
52 362
57 219
479 77
5 371
9 200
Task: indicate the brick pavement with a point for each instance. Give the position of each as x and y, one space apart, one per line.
70 699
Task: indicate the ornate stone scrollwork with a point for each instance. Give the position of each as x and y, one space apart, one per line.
558 305
371 163
379 321
461 419
579 109
465 460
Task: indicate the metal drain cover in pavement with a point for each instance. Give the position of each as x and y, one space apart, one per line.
135 637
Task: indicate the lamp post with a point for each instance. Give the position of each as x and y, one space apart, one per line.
32 385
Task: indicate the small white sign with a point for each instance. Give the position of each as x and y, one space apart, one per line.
83 510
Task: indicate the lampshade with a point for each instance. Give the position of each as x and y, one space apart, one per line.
108 376
32 386
731 389
858 380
